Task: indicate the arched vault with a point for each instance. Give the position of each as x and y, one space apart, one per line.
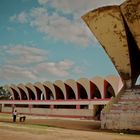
22 86
86 84
115 82
61 85
32 88
72 83
14 87
99 82
50 85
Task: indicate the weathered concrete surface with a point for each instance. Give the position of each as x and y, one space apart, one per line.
117 30
107 25
131 13
125 114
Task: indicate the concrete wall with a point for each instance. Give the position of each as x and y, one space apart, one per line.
76 113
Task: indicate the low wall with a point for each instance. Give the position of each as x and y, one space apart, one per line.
75 113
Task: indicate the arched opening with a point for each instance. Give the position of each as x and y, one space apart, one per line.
59 93
16 95
109 91
94 91
82 94
23 94
39 92
70 93
49 94
31 94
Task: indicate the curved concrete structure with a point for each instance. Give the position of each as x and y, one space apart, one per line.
60 84
39 86
73 84
99 82
51 87
86 84
118 30
16 91
113 38
131 13
22 86
30 87
115 82
11 92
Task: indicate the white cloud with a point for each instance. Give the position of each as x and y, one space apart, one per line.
80 7
25 55
21 17
31 64
43 1
58 26
59 69
12 72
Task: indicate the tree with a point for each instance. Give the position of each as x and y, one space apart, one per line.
4 93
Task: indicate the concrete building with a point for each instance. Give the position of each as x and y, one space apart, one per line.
70 98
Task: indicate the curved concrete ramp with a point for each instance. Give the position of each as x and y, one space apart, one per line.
107 25
117 29
131 12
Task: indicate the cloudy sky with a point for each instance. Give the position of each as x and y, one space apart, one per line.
44 40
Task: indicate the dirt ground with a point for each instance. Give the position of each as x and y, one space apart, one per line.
42 128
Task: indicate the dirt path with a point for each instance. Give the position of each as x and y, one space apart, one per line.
10 131
45 128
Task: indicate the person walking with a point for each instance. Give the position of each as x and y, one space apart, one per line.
14 115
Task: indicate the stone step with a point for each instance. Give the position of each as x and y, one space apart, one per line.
125 107
124 111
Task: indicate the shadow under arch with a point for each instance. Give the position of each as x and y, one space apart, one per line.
39 92
108 90
82 94
31 94
59 93
70 93
94 91
16 95
49 94
23 94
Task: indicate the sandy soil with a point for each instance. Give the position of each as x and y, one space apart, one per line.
40 129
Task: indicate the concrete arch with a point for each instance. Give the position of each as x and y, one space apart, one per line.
94 91
16 91
60 86
49 86
99 82
40 91
86 84
115 82
73 84
11 92
32 91
113 38
108 90
22 87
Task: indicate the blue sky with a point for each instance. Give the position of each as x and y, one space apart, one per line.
44 40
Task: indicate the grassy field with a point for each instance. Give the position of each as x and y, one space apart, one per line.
44 128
